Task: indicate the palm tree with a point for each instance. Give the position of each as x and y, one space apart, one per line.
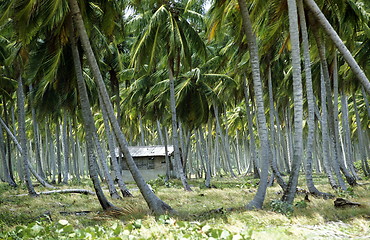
154 203
289 193
6 173
89 124
310 101
169 23
23 137
332 34
262 125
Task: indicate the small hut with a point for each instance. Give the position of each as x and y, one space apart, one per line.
150 160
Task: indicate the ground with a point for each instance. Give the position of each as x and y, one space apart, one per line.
216 213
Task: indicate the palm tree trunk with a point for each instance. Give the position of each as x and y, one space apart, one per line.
177 157
325 134
361 144
6 119
366 100
65 148
329 30
23 137
347 135
259 198
330 109
88 123
142 137
206 158
273 161
289 141
40 170
89 119
339 150
6 173
310 102
168 160
51 154
33 171
228 152
223 141
163 141
59 157
289 194
155 204
236 147
125 192
282 144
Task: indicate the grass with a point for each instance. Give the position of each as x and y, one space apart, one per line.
203 213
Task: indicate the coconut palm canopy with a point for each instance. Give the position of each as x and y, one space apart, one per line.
235 86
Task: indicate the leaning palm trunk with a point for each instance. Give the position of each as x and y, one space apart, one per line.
366 100
310 102
10 157
103 158
89 119
365 166
350 179
6 173
325 135
259 198
31 169
88 123
179 166
329 30
154 203
289 193
125 192
23 138
330 109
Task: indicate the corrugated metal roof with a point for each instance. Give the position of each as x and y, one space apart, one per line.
148 151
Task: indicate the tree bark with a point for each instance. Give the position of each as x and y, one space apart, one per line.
206 158
273 161
330 108
289 194
36 135
329 30
351 180
33 171
365 166
155 204
88 123
325 134
6 118
23 137
51 154
259 198
310 101
65 149
125 192
7 176
177 157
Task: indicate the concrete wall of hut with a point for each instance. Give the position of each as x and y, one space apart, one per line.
158 164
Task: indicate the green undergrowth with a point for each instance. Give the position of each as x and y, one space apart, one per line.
215 213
